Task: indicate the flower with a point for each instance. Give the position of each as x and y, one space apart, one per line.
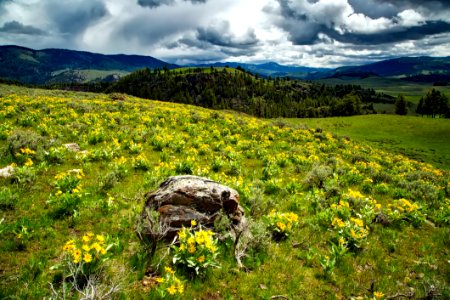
172 289
191 249
378 294
180 288
100 238
201 259
169 270
159 279
193 223
29 162
87 258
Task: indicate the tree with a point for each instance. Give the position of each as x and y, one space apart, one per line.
434 104
400 106
420 107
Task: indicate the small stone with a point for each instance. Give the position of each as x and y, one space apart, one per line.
72 147
6 172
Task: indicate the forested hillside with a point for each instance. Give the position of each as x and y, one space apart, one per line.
226 88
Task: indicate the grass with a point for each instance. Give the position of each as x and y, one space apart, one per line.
334 185
412 91
425 139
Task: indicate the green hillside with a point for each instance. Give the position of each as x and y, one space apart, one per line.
425 139
60 65
330 217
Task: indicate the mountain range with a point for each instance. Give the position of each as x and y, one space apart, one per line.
60 65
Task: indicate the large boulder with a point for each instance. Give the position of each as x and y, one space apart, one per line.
181 199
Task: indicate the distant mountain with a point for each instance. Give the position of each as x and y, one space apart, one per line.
421 69
69 66
273 69
60 65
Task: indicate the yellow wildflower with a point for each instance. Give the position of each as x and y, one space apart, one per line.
378 294
358 222
87 258
86 247
281 226
180 288
169 270
191 249
201 259
182 234
172 289
29 162
193 223
100 238
159 279
97 247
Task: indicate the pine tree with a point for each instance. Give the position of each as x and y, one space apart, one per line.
400 106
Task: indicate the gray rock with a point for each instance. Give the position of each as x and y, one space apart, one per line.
72 147
181 199
6 172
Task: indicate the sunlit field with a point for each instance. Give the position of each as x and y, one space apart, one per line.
331 218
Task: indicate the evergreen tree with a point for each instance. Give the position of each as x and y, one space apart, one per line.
420 107
400 106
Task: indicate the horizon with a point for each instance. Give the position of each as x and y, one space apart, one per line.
310 33
223 62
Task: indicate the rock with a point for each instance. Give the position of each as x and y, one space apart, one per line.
72 147
6 172
181 199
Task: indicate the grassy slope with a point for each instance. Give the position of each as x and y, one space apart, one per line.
424 139
396 258
411 90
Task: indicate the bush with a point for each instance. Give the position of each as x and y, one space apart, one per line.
25 140
317 176
8 199
197 251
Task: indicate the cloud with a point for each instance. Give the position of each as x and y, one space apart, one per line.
308 23
15 27
75 16
393 36
219 34
157 3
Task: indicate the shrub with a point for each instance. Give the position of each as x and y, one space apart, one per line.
317 176
8 199
150 230
68 192
83 259
281 224
25 140
197 251
169 286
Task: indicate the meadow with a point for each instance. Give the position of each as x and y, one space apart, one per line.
421 138
330 217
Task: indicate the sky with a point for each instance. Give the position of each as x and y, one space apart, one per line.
313 33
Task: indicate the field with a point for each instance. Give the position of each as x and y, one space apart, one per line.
412 91
424 139
330 217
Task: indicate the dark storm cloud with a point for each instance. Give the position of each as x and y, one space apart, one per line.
157 3
304 29
405 4
403 34
220 34
373 9
75 17
15 27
